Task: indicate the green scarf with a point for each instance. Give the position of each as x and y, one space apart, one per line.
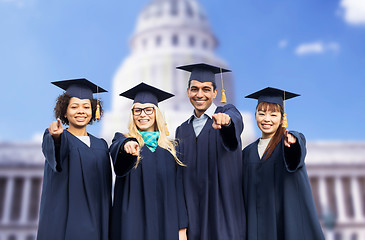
150 139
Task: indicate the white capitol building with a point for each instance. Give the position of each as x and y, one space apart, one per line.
170 33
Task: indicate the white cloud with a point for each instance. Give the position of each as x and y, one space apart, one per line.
37 137
283 43
317 48
353 11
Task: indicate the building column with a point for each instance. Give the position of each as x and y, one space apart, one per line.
341 207
330 235
323 197
24 211
362 234
8 199
356 196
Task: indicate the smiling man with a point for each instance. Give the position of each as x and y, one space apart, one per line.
210 146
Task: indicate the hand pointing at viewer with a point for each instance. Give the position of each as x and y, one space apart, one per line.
132 148
289 139
220 119
55 129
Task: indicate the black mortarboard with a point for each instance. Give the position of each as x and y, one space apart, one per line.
80 88
203 72
144 93
272 95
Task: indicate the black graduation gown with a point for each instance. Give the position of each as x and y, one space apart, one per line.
148 202
76 194
213 178
278 196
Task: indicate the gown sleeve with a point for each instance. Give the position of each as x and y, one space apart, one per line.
183 215
295 154
122 161
181 202
231 135
55 154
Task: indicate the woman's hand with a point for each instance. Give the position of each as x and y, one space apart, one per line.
55 129
132 147
182 234
289 139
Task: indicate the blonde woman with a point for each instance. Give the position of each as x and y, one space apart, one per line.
148 195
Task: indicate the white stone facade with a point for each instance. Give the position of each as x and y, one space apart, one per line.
337 184
21 174
337 176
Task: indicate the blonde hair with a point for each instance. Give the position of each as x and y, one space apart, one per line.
163 140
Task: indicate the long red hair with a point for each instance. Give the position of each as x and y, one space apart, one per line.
273 107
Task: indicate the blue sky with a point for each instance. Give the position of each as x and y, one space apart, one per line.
314 48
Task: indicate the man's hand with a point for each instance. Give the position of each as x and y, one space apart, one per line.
220 119
132 147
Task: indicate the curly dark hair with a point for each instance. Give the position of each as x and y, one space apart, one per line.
61 108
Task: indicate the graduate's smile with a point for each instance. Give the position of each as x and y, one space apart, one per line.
199 101
143 121
79 112
201 95
81 118
268 122
266 126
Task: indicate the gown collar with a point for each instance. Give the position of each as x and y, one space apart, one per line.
208 113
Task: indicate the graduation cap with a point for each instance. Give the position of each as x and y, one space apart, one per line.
81 88
144 93
203 72
273 95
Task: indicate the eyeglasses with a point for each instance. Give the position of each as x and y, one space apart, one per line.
146 110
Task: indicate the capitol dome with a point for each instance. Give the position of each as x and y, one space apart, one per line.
168 33
172 13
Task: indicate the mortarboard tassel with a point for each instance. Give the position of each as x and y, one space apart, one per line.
97 112
166 130
285 120
224 98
